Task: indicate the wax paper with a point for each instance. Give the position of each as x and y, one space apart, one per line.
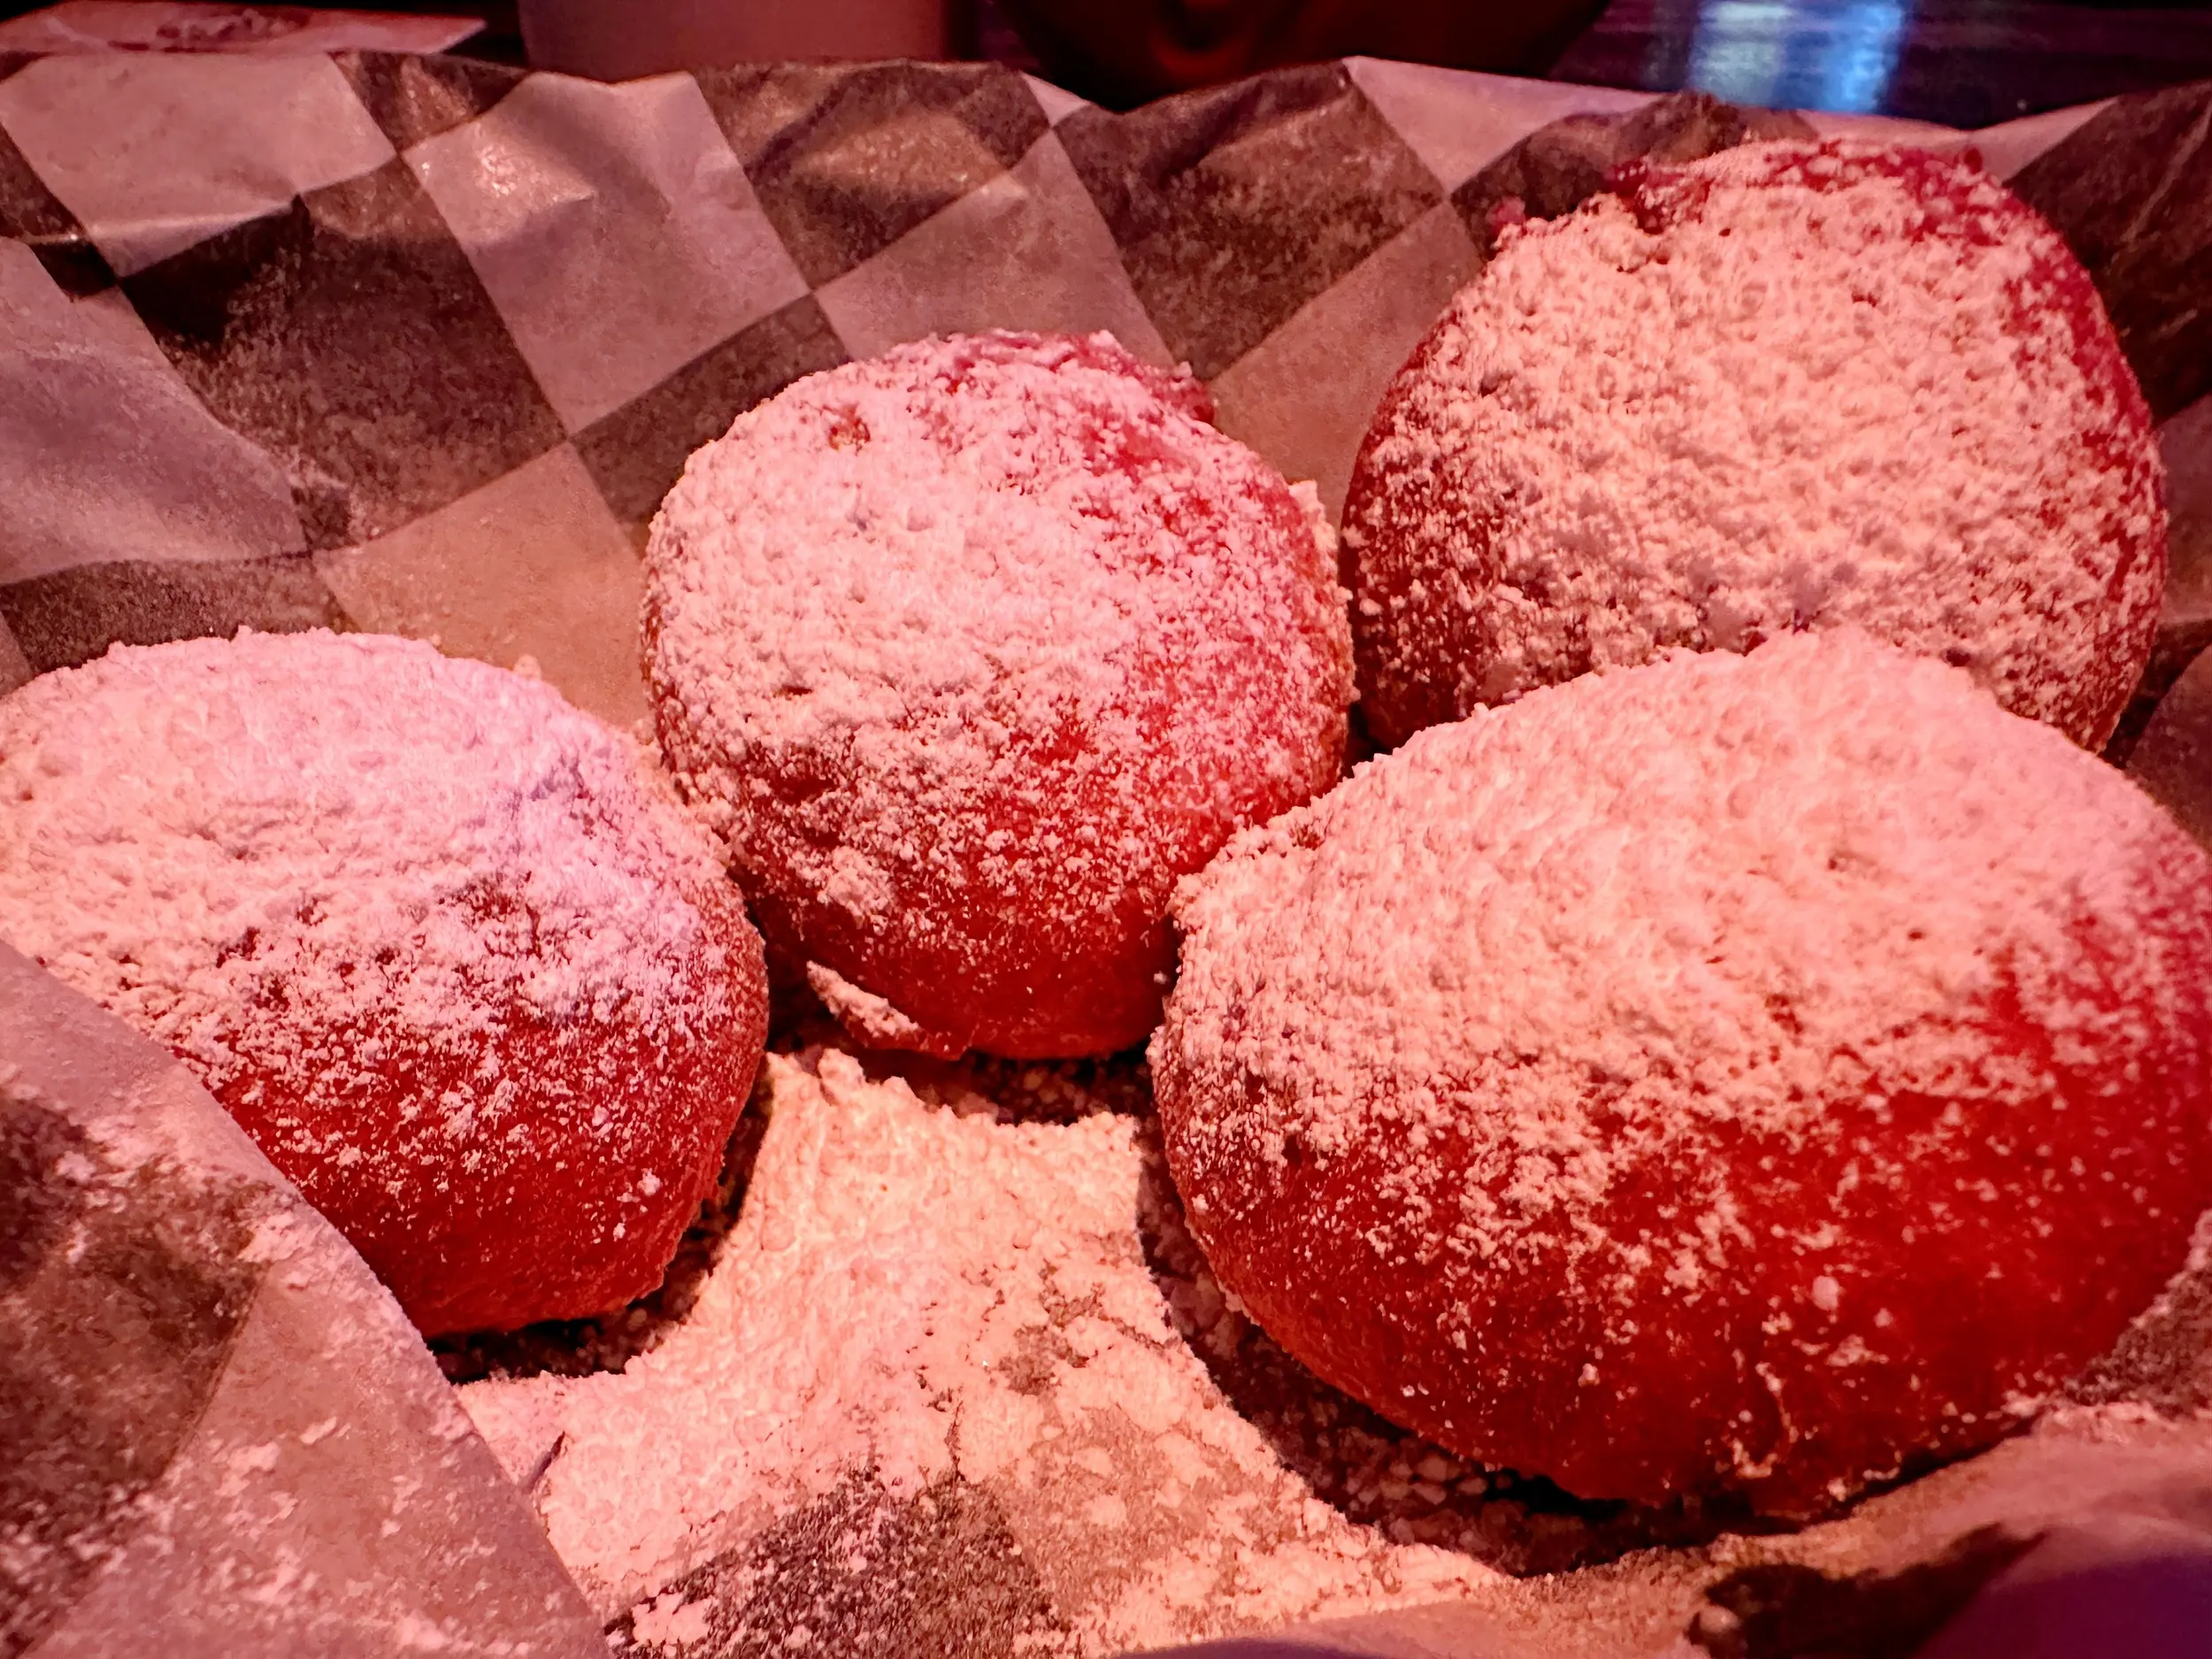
217 1433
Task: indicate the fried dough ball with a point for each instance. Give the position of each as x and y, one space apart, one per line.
428 932
968 652
1741 1076
1789 386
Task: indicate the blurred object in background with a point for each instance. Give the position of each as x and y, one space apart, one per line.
615 40
138 26
1964 62
1123 52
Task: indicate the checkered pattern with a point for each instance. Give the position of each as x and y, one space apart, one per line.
150 1352
418 343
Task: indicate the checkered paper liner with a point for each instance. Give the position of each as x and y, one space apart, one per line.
417 344
206 1398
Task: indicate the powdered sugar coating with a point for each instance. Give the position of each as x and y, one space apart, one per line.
427 932
1733 1073
915 1297
1787 386
968 652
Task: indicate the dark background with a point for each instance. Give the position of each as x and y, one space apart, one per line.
1964 62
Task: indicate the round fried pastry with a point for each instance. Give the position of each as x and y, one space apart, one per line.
1740 1075
1788 386
428 932
968 652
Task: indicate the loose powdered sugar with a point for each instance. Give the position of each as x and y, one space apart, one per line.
969 651
960 1386
927 1302
1786 386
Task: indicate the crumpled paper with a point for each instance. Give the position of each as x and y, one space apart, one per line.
416 344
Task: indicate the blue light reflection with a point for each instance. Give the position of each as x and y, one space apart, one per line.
1838 56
